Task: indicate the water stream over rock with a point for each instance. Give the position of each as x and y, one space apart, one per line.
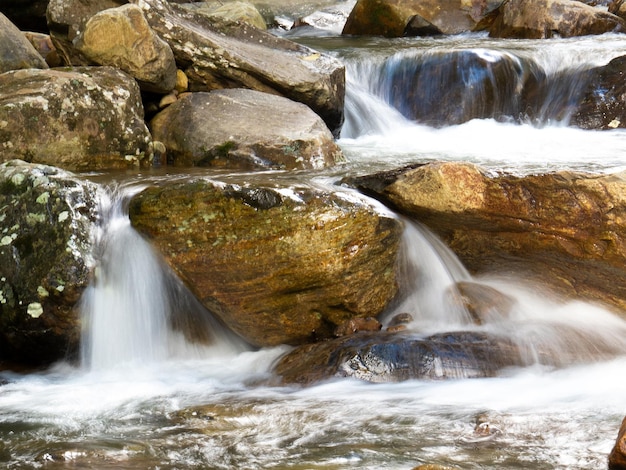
148 395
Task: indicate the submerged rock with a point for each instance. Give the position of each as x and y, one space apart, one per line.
565 228
282 265
236 55
16 52
121 37
603 103
215 129
390 357
77 119
451 87
538 19
46 217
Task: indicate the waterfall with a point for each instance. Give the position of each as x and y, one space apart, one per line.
442 296
135 311
444 83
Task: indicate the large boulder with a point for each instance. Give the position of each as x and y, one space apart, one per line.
121 37
66 18
538 19
215 129
47 217
603 102
397 18
565 228
82 119
16 52
389 357
236 55
282 265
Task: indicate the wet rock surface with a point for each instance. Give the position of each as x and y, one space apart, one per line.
277 265
565 228
390 357
617 457
47 216
213 129
603 103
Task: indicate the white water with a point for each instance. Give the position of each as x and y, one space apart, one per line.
132 404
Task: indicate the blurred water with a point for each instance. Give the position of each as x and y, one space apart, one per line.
147 398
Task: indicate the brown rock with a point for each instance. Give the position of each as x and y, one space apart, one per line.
215 129
484 303
355 325
393 18
617 457
537 19
121 37
565 228
66 18
278 266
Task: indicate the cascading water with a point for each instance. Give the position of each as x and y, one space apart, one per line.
130 310
151 398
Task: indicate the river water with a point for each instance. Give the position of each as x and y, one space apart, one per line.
143 398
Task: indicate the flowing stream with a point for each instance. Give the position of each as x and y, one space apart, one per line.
146 398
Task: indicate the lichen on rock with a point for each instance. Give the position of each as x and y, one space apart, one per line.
45 259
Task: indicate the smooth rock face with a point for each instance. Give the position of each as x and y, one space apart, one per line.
392 18
240 128
565 228
16 52
82 119
121 37
46 219
277 265
537 19
229 55
390 357
66 18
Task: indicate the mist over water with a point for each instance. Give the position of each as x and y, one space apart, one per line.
150 394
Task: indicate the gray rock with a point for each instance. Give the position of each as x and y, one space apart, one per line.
82 119
229 55
16 52
215 129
